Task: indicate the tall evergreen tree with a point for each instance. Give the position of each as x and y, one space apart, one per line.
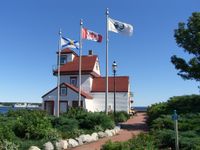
188 37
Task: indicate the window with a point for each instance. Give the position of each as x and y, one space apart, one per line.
73 81
63 91
97 66
75 104
63 59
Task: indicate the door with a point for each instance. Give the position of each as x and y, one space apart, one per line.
63 106
49 107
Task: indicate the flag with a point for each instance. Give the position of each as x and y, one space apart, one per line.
120 27
91 35
68 43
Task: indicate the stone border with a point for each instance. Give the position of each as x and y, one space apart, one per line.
82 139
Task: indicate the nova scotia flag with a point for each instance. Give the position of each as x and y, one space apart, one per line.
68 43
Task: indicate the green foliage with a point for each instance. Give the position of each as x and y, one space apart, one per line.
162 124
32 124
183 104
188 37
68 127
121 116
7 145
6 131
164 121
90 121
115 146
164 138
141 142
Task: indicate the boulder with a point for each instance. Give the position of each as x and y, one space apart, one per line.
61 145
48 146
109 133
94 136
113 132
72 143
117 129
86 138
102 134
33 148
79 140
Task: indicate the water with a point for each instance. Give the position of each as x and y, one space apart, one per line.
5 109
140 108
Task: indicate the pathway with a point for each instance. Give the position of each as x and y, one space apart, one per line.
132 127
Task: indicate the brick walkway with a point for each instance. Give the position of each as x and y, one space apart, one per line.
131 128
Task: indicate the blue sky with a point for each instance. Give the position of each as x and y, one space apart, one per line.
29 40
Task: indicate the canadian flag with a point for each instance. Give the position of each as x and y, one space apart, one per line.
91 35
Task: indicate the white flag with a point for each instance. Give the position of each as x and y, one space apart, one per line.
120 27
68 43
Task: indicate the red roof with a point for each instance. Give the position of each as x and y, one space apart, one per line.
88 63
121 84
84 94
68 51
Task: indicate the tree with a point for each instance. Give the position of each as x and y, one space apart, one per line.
188 37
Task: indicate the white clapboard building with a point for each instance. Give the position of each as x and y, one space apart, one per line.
92 86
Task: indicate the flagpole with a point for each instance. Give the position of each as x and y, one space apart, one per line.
58 78
80 63
106 94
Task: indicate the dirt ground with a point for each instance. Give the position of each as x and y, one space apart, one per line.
131 128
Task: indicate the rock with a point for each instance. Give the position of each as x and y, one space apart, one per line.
86 138
94 136
117 129
61 145
80 142
109 133
33 148
113 132
48 146
72 143
101 134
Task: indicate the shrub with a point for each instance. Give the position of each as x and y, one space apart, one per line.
32 124
183 104
115 146
6 133
164 138
6 126
7 145
141 142
121 116
96 121
164 121
68 127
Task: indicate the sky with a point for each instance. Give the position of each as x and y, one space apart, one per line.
29 41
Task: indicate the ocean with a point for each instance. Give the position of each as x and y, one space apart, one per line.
5 109
140 108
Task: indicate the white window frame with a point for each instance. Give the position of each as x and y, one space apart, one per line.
63 91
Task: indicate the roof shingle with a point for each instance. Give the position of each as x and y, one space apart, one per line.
121 84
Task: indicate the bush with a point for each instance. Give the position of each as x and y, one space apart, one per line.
141 142
164 121
32 124
115 146
68 127
6 126
121 116
7 145
90 121
183 104
96 120
164 138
